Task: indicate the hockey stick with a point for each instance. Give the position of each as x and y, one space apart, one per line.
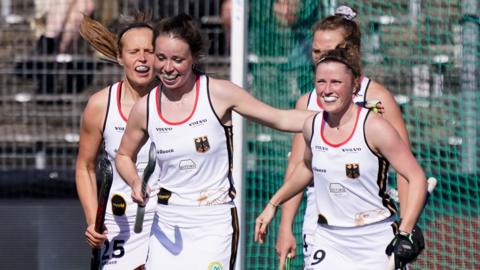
288 262
106 170
152 157
432 183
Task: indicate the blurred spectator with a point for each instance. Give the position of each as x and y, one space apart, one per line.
286 11
226 17
62 20
57 26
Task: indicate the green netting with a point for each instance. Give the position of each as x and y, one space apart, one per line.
426 53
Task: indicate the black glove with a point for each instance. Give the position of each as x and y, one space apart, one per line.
418 240
406 247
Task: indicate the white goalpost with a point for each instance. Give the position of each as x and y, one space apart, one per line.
238 51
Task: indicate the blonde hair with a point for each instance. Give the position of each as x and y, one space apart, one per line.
345 22
107 43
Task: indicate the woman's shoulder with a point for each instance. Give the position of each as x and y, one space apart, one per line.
99 98
377 91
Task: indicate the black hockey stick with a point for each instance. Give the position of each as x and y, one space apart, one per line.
152 157
106 171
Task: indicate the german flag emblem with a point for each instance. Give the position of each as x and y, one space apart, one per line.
201 144
352 170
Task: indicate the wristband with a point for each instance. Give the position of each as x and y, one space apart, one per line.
272 204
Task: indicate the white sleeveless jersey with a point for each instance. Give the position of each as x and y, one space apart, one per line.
313 104
114 127
194 155
350 179
124 249
311 213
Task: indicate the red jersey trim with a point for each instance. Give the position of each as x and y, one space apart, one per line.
159 109
349 137
119 103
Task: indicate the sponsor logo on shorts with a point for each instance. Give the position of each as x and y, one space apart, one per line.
197 123
119 205
187 164
201 144
215 266
352 170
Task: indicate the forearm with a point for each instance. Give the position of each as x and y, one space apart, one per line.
289 210
417 193
299 180
402 187
126 168
394 116
87 192
293 120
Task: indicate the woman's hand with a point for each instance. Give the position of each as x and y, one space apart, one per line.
375 105
262 221
95 239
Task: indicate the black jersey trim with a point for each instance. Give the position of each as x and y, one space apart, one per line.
365 136
229 139
148 110
383 166
108 108
211 104
313 128
235 238
366 90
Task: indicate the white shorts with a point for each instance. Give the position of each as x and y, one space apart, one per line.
357 248
126 249
309 224
204 237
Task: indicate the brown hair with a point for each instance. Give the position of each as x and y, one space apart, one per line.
350 28
106 42
182 26
345 53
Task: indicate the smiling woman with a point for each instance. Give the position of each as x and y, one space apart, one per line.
104 121
188 117
348 153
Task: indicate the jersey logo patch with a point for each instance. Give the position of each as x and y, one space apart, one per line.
215 266
201 144
187 164
119 205
352 170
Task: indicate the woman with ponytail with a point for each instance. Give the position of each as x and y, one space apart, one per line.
189 118
103 124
